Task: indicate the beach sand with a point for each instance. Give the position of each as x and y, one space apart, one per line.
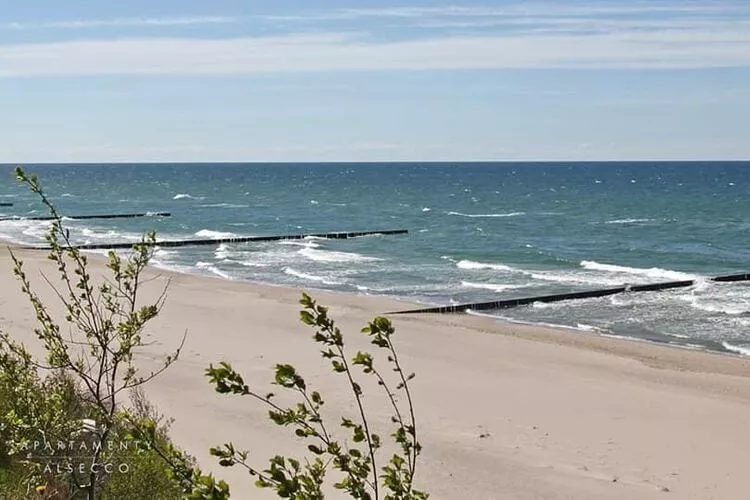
504 411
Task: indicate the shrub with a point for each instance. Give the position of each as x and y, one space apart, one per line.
355 460
87 371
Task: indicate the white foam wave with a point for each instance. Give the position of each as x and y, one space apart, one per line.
717 307
213 269
556 326
163 253
510 214
331 256
490 286
182 196
223 205
108 235
23 231
547 305
309 277
586 328
215 235
252 263
470 264
303 243
222 252
745 351
653 272
628 221
573 278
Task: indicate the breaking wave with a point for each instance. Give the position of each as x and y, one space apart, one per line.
628 221
470 264
653 272
216 235
490 286
331 256
510 214
309 277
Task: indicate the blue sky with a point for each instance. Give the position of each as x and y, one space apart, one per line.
240 80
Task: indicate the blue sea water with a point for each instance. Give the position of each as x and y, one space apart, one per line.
477 231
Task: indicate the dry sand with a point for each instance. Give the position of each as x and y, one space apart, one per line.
504 411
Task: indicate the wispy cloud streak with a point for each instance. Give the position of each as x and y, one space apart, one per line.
121 22
523 9
342 52
640 35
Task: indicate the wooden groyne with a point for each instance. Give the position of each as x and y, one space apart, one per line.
246 239
559 297
85 217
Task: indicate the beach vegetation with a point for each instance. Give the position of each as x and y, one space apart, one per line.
65 422
355 459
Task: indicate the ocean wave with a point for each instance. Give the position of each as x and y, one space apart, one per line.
653 272
490 286
510 214
251 263
108 235
222 252
573 277
717 307
556 326
182 196
548 305
215 235
303 243
309 277
586 328
213 269
24 231
331 256
745 351
223 205
470 264
628 221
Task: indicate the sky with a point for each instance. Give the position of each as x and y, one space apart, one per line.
408 80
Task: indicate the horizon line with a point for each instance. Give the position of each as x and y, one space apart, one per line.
355 162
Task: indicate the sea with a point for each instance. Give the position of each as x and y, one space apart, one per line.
477 232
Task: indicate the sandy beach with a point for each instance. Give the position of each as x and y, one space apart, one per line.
504 411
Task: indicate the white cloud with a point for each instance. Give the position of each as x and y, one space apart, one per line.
522 9
347 52
121 22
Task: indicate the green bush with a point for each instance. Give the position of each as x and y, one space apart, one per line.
75 393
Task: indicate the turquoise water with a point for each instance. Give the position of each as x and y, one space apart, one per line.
477 232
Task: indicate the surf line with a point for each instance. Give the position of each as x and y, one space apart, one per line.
243 239
84 217
509 303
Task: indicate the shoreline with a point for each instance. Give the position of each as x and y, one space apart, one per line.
504 410
504 323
